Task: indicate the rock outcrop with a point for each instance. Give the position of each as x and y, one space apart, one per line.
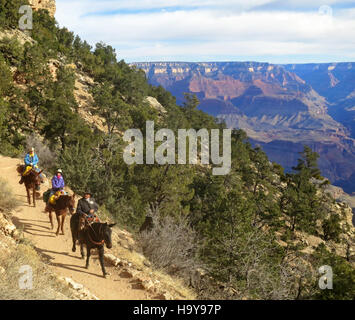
44 4
79 291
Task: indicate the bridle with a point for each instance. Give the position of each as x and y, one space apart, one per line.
95 242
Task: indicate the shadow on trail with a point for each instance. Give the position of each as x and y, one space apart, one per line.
44 251
29 227
21 195
46 254
76 268
43 221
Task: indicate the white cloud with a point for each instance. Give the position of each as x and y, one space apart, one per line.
212 32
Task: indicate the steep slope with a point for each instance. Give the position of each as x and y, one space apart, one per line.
336 82
56 251
245 216
275 106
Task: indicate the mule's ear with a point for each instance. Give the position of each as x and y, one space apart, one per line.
112 225
40 172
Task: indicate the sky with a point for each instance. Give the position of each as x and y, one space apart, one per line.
285 31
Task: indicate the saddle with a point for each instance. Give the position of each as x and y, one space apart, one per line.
87 220
26 171
53 199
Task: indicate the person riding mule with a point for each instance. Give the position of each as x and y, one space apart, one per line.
31 162
57 190
32 182
87 208
61 207
89 231
93 236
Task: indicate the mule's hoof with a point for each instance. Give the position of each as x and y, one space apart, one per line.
73 249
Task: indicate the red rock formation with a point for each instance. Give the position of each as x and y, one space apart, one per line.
274 105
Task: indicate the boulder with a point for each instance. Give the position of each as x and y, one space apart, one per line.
111 259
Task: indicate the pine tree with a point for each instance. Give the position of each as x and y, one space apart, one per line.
63 124
109 104
300 201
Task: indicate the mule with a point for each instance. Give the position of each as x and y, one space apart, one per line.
61 207
32 181
93 236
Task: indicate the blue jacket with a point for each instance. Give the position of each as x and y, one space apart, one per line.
29 160
58 183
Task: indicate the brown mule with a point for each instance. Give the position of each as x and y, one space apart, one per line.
61 208
32 181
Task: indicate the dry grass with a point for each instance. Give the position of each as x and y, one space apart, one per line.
45 285
7 201
14 255
173 285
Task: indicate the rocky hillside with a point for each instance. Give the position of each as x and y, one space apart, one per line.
22 229
48 5
336 82
255 233
279 107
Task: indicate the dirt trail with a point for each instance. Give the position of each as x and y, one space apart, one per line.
57 250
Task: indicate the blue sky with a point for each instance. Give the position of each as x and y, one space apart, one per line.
287 31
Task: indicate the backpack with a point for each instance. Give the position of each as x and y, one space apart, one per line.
46 195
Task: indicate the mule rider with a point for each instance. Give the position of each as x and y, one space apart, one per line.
85 211
87 206
58 183
31 161
57 190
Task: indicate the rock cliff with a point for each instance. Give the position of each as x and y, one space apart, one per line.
49 5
